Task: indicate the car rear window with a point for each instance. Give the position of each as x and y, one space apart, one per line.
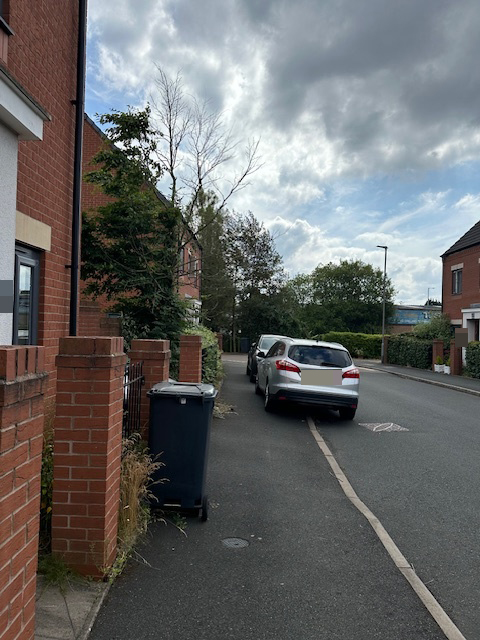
320 356
266 343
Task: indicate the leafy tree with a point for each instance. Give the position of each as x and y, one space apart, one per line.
348 297
130 245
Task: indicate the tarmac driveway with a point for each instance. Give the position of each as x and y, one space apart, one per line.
305 565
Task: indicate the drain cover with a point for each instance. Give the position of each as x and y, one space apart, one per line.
235 543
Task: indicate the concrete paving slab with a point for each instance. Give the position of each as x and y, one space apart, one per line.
67 613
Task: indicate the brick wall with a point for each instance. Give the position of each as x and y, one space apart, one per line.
22 385
87 452
42 57
453 304
190 365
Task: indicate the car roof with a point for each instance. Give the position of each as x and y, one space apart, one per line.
317 343
273 335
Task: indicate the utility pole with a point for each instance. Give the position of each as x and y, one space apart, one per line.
382 355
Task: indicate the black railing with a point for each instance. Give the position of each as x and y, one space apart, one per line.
133 380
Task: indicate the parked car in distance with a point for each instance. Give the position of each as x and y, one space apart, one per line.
310 372
262 343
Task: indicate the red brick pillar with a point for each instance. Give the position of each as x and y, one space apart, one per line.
22 385
456 364
190 369
437 350
156 368
87 452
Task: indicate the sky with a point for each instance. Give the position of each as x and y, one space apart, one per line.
367 114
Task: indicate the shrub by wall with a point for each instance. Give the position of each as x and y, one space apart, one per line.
410 352
361 345
212 368
473 359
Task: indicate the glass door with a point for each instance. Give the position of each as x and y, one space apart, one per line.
27 277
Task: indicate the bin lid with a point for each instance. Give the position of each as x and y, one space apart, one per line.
173 388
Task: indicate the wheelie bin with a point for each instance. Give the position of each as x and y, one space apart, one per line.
179 434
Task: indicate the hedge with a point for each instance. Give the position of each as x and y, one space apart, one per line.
212 368
360 345
473 359
410 352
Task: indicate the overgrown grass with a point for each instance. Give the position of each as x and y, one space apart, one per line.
137 470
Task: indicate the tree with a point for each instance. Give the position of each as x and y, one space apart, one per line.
217 286
193 146
348 297
253 265
130 246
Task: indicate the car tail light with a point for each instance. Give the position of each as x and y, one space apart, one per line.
285 365
351 373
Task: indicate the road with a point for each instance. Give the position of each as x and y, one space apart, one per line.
310 566
423 484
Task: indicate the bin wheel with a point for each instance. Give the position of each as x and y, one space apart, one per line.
204 510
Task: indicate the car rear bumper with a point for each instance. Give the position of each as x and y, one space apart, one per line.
320 399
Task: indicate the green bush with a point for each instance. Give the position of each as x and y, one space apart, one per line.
439 328
410 352
361 345
212 368
473 359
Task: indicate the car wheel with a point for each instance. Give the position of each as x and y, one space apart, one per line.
269 402
253 377
248 372
347 413
258 391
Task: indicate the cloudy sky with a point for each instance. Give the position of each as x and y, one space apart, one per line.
367 111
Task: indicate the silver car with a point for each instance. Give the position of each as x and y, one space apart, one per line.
311 372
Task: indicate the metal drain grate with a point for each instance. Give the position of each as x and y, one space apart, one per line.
235 543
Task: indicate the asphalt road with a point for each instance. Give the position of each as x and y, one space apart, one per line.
311 568
423 484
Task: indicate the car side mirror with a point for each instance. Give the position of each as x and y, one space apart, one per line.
260 354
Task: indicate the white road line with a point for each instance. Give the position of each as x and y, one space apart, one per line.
445 623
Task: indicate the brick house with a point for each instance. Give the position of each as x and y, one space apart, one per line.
38 66
94 318
461 282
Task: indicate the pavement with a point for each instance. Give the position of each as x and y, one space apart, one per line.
69 613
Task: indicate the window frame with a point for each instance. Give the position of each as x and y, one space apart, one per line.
4 10
457 281
31 258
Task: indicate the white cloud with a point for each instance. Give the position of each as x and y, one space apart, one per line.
367 114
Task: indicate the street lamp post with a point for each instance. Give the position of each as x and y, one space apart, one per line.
381 246
428 294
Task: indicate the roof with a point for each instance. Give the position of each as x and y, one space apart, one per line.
469 239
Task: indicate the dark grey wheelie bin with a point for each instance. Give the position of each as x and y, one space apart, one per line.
180 420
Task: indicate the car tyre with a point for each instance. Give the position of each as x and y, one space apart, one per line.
347 413
269 402
258 391
253 377
248 371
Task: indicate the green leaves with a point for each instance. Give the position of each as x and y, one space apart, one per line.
130 244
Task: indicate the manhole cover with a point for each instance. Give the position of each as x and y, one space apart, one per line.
235 543
382 426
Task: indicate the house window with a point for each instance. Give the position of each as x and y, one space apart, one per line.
457 281
4 17
25 311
